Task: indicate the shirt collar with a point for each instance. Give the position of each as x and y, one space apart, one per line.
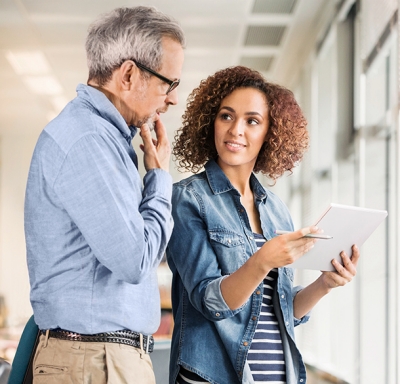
219 183
106 109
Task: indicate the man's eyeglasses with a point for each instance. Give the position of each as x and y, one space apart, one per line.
172 83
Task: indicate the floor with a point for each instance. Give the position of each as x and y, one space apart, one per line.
315 376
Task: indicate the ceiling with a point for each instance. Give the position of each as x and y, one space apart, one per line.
268 35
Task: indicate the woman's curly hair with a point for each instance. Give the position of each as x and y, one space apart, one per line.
287 137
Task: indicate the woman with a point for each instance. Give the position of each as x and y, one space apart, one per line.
233 302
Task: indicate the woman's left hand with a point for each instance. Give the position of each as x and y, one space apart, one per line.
344 273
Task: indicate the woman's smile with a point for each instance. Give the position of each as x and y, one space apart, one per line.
234 146
240 128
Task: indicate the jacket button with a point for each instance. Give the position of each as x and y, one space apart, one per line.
245 343
254 318
258 292
283 296
218 314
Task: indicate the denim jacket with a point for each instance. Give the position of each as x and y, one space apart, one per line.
211 239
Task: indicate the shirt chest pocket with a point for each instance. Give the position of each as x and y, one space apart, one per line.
229 248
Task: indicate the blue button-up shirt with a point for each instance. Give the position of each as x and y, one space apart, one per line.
95 233
212 238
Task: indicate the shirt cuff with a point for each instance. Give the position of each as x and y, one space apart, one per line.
160 181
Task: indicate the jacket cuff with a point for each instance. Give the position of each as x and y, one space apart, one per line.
306 317
215 304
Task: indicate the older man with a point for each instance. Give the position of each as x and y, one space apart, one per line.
96 232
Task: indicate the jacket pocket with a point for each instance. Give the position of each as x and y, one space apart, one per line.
229 248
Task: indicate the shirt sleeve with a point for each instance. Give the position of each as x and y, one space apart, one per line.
191 255
126 227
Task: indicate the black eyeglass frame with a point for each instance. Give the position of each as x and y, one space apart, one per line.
172 83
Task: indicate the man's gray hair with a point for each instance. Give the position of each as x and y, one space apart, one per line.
126 34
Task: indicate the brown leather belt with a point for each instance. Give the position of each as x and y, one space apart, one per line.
121 337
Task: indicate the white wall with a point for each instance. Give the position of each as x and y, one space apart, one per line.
15 156
353 332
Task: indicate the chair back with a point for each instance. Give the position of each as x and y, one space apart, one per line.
21 368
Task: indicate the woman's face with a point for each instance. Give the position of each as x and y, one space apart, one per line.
241 126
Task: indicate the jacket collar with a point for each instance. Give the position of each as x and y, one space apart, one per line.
219 183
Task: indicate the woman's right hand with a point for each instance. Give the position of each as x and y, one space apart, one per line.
277 252
284 249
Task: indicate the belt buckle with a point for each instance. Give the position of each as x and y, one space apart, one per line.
147 344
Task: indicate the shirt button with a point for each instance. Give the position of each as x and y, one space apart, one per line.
218 314
287 323
283 296
229 241
250 238
258 292
245 343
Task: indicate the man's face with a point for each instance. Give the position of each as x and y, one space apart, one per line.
147 100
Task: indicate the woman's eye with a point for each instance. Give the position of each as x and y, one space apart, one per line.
225 116
252 121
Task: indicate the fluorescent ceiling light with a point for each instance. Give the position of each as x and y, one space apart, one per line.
28 62
43 85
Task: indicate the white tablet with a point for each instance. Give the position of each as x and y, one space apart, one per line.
347 225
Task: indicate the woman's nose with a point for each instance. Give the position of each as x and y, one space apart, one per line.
237 128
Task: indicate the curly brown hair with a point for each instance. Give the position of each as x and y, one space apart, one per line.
287 137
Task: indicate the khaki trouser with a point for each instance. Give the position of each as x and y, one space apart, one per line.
73 362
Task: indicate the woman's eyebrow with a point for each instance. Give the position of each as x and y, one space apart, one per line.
254 113
228 108
251 113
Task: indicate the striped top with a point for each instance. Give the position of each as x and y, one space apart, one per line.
265 357
187 377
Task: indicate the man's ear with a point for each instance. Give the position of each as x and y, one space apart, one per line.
129 75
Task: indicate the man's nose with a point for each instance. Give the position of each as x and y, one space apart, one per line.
172 97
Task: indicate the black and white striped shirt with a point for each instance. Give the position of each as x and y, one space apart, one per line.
187 377
265 357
